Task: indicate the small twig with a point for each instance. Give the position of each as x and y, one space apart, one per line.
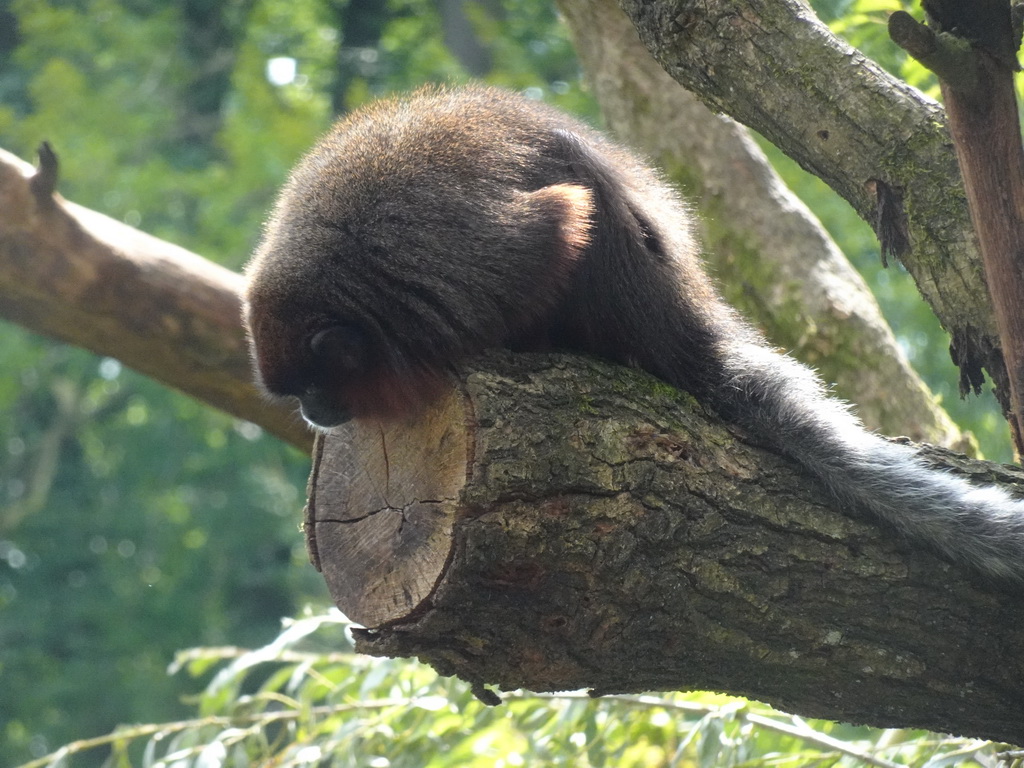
181 658
43 184
949 57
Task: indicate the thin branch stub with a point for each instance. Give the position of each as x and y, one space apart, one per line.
44 183
949 57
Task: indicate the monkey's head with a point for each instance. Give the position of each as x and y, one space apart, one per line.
321 331
415 233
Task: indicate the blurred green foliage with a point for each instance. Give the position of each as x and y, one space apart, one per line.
307 699
135 521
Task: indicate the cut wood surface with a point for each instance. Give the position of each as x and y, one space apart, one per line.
592 528
380 512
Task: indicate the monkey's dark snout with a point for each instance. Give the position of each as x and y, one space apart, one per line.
318 408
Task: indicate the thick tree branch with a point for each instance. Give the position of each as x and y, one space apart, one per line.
80 277
566 524
772 257
879 143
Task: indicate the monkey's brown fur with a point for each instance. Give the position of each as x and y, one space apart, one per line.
424 229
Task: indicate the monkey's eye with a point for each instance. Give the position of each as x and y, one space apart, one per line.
342 348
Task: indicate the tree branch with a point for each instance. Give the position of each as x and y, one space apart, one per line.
80 277
563 524
773 66
772 257
981 101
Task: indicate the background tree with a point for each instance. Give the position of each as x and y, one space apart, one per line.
122 500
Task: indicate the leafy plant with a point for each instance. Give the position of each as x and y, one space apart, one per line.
295 703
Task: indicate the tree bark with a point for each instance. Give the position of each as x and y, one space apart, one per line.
976 65
562 523
883 146
80 277
772 257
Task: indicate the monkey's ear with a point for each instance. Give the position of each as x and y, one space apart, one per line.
571 206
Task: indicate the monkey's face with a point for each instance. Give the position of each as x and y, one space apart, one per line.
331 363
304 356
341 353
332 356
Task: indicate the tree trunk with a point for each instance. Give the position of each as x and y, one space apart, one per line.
562 523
